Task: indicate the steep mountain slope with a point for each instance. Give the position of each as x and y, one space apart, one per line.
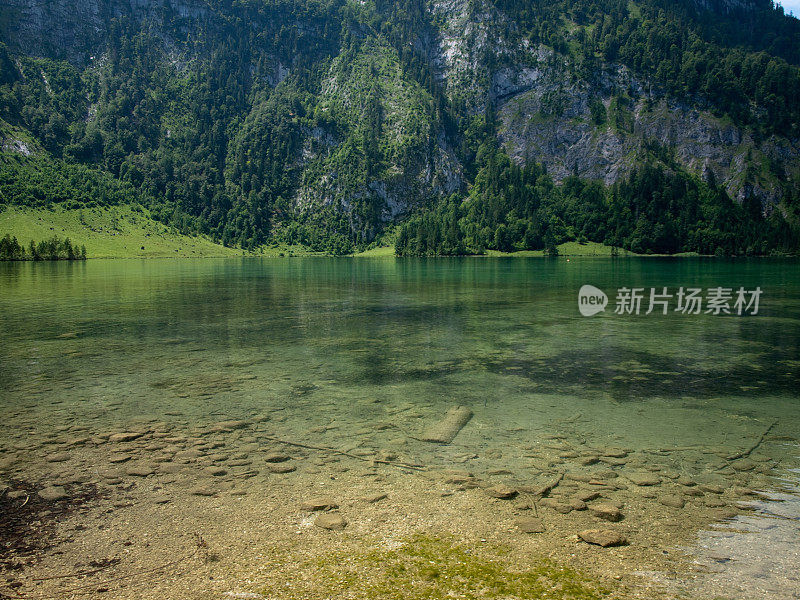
322 121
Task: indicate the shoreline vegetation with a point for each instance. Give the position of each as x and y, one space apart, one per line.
129 231
51 249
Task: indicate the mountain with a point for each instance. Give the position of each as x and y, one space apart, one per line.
454 125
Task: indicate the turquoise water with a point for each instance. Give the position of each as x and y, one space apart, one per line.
340 345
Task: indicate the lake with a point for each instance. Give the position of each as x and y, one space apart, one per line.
160 401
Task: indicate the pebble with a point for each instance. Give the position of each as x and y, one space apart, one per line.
503 492
615 452
230 425
587 496
332 521
139 471
644 479
128 436
321 503
556 505
606 511
52 493
276 457
744 465
58 457
216 471
614 462
721 514
459 479
672 500
530 525
375 498
281 468
497 472
603 537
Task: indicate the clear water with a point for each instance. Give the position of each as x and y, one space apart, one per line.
344 344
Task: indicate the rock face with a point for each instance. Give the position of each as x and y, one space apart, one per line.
68 29
550 121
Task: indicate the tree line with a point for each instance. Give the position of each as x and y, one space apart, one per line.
54 248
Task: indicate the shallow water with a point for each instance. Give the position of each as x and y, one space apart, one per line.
361 355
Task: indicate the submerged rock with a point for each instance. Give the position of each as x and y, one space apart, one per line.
672 500
372 499
606 511
603 537
282 468
503 492
615 452
321 503
530 525
127 436
644 479
58 457
216 471
230 425
140 470
556 505
587 496
333 521
276 457
577 504
52 493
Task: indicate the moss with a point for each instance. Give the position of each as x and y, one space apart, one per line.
429 568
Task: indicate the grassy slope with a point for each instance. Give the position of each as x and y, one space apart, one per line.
133 231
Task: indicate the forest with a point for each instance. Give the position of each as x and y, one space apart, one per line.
286 122
653 211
